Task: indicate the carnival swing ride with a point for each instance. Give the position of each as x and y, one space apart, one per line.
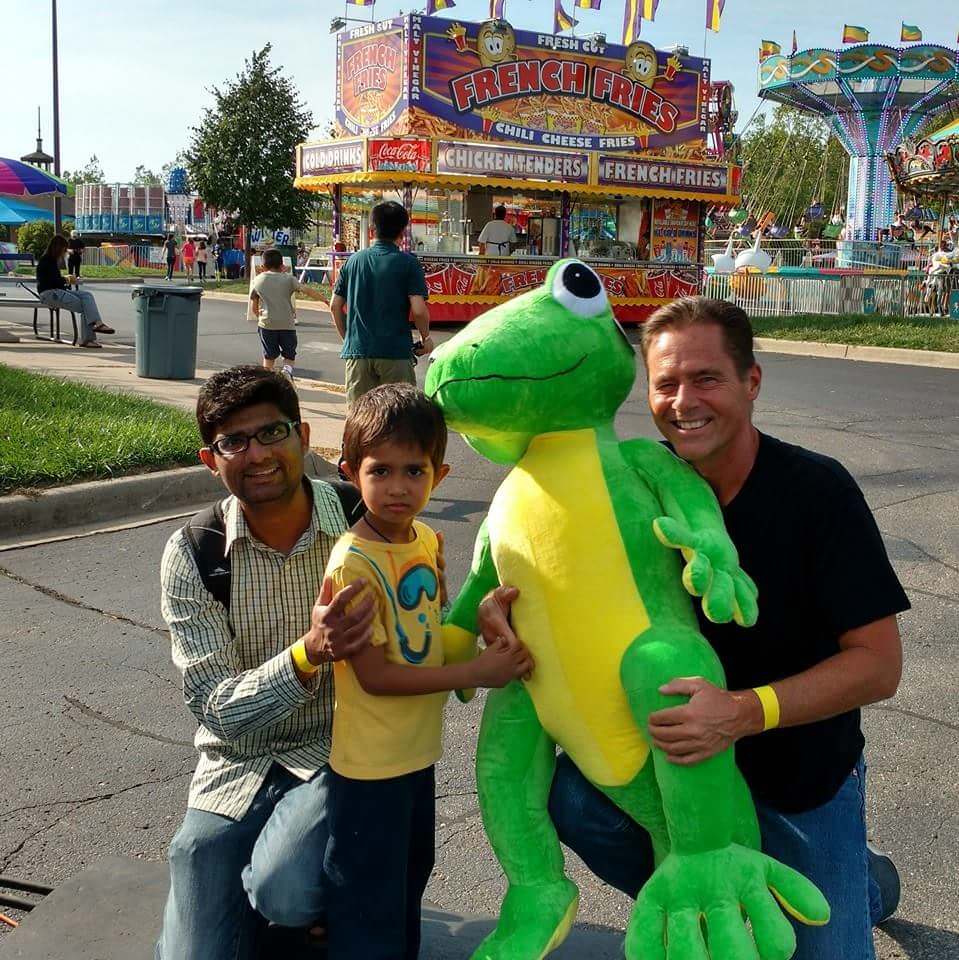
872 96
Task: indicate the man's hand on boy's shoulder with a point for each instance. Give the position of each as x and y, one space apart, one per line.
338 633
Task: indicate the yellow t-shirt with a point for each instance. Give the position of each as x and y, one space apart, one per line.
379 737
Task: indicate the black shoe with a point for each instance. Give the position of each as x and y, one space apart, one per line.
883 871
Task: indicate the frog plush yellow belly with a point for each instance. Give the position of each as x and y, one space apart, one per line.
553 534
589 529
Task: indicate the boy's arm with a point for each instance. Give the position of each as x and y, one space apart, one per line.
494 667
255 303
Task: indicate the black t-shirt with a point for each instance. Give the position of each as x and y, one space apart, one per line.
75 246
805 534
48 275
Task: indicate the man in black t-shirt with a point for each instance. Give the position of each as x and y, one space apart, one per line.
826 642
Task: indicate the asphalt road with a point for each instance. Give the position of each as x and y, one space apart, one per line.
97 743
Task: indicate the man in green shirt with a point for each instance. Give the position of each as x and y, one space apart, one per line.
377 291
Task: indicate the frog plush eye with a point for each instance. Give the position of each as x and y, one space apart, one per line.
580 290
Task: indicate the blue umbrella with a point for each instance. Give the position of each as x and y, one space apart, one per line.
13 213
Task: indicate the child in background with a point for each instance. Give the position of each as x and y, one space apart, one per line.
188 252
272 304
202 258
388 721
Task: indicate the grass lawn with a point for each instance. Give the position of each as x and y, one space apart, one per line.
912 333
243 286
54 432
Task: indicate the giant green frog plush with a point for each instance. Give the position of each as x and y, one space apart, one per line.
588 527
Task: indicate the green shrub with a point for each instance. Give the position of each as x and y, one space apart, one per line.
33 237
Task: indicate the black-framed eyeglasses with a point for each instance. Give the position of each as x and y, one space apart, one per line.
237 443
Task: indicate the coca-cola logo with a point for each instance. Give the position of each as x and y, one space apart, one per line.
413 155
398 150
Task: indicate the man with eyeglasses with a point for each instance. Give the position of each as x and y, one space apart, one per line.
257 676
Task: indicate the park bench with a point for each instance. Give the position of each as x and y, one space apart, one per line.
22 292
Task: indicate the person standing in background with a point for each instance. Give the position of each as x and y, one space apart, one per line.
497 238
189 256
170 251
202 257
74 254
377 291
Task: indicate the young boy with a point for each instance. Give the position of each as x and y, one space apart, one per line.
272 303
388 722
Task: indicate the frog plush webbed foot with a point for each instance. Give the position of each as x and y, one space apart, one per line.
533 921
712 571
693 907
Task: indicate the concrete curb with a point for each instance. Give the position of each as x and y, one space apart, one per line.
842 351
110 501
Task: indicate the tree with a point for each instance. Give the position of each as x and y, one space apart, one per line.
142 177
34 236
91 173
790 161
241 156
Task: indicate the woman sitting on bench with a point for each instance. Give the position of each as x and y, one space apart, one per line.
52 288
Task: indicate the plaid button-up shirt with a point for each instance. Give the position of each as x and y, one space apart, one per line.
238 674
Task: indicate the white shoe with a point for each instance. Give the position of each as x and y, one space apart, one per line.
287 371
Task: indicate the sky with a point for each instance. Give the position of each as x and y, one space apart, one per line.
134 77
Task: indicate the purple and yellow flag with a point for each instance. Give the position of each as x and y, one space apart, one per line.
497 9
434 6
649 9
561 19
768 48
714 13
361 3
587 4
854 34
632 21
909 33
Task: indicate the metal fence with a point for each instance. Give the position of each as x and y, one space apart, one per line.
773 295
125 255
826 254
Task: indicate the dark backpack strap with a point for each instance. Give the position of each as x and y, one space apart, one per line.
350 500
206 534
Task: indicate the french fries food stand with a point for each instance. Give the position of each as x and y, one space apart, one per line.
596 151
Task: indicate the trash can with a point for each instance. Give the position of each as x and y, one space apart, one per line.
166 330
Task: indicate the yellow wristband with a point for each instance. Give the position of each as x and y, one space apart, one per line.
770 704
301 660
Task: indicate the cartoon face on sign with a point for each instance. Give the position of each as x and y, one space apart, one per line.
641 63
495 43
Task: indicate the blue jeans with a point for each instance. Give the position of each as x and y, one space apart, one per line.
79 301
378 862
272 859
826 844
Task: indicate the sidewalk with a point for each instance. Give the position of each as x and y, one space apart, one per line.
114 367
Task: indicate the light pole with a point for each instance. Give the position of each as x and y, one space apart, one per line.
57 214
